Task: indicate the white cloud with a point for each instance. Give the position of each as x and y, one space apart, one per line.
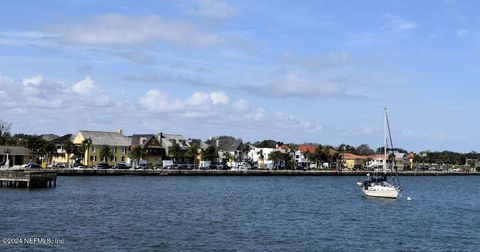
121 30
219 98
156 101
35 80
86 87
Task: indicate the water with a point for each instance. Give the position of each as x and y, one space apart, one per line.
242 214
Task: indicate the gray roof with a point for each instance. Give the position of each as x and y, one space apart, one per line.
228 144
106 138
61 140
168 140
15 150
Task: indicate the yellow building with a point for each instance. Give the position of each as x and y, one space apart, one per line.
352 161
119 144
60 155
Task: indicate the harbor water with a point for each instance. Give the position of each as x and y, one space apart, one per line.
228 213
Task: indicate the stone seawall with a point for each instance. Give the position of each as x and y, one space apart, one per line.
168 172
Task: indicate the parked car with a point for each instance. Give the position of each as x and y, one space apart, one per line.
142 167
101 166
31 166
121 166
59 165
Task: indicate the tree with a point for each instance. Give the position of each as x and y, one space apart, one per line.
5 136
364 149
266 144
246 149
50 150
106 153
175 151
69 149
261 157
227 156
137 153
193 151
210 154
86 148
275 156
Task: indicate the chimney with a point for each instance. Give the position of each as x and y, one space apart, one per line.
120 131
161 135
217 142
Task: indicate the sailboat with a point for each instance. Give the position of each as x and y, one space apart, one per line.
377 185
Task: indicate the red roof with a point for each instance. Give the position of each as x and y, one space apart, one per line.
353 156
309 148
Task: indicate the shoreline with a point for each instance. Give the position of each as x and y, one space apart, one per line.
169 172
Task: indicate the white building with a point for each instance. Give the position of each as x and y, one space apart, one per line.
260 157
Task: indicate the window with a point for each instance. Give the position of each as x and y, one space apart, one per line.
123 159
93 158
114 159
124 149
114 149
93 148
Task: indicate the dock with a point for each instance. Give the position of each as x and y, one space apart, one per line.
28 178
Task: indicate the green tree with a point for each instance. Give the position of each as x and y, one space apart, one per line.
193 151
176 152
69 149
210 154
276 157
86 148
106 153
137 153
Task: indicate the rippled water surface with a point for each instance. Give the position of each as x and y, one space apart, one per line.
242 214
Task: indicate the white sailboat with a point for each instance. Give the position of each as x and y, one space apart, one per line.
377 185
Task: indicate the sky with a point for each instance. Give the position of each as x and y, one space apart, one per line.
292 71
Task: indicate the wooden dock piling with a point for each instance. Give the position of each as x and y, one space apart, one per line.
28 178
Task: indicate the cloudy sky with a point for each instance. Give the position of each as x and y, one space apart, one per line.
308 71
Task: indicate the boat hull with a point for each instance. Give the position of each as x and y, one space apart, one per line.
391 194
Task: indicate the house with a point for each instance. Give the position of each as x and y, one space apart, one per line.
260 156
60 155
152 148
352 161
229 149
119 144
169 140
16 155
301 155
401 161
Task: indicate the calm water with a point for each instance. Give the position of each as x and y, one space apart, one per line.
243 214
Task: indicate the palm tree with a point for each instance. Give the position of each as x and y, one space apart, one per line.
106 153
193 151
137 153
86 147
261 157
175 151
69 149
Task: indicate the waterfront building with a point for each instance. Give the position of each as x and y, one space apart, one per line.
60 155
260 156
152 149
352 161
376 161
119 144
17 155
301 155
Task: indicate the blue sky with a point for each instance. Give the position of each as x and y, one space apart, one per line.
308 71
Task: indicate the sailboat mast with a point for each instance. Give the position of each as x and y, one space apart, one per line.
386 143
